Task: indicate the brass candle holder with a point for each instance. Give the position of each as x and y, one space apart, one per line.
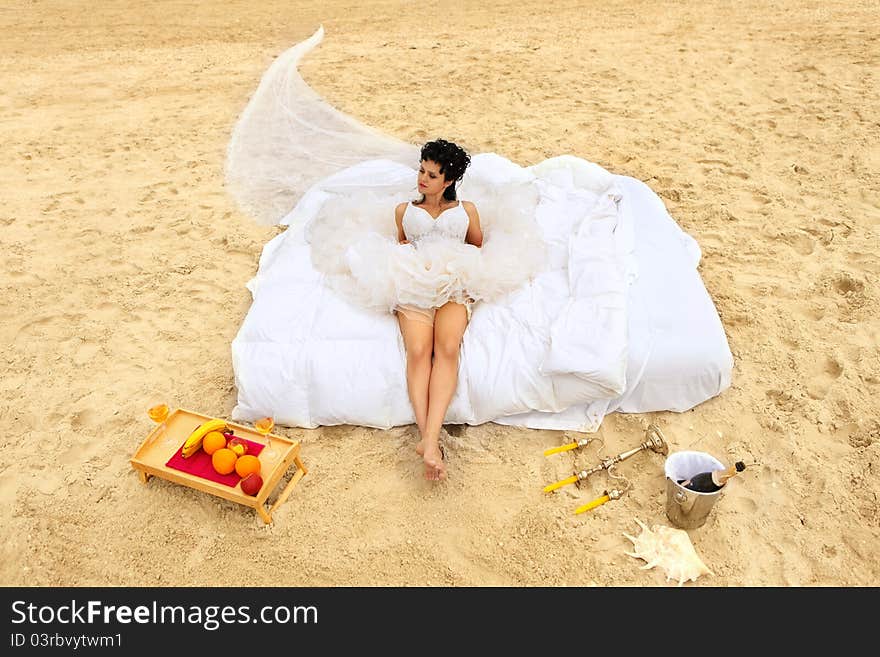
655 442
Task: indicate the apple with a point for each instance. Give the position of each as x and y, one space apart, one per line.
237 445
251 484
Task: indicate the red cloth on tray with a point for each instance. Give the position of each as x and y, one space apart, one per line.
199 464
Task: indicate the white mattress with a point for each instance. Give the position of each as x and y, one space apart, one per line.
619 321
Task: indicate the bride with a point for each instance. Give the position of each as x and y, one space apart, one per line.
432 332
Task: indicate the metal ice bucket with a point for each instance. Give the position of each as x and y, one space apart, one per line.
685 508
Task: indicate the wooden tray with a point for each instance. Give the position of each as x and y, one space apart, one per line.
150 458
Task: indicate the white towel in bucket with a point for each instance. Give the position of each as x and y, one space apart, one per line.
684 465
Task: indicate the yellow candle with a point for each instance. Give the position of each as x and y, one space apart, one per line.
560 484
563 448
599 501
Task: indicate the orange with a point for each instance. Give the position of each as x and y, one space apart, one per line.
213 441
247 464
224 460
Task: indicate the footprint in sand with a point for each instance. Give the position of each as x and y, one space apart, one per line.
206 291
845 285
841 227
861 257
83 419
784 401
823 376
182 227
812 310
853 294
860 434
34 329
745 504
791 343
722 166
801 243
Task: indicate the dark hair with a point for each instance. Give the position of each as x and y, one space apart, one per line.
453 161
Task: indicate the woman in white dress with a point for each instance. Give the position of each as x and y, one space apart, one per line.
432 334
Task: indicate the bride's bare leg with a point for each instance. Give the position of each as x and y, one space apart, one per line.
418 338
450 323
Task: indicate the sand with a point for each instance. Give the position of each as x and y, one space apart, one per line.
125 265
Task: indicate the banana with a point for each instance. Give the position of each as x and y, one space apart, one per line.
194 442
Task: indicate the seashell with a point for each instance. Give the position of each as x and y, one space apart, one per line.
669 548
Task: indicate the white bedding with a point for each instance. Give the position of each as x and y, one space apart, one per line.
618 319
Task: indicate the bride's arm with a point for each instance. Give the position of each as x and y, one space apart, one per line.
474 232
398 219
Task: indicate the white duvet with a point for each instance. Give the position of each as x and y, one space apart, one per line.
616 318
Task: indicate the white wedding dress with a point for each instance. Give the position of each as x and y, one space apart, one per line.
587 296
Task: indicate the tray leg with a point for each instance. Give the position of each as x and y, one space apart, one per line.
267 518
294 480
144 476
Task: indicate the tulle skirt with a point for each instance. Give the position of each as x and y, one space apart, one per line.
354 245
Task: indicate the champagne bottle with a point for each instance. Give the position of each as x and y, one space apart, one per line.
709 482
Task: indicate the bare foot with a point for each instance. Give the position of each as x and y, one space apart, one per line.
435 468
